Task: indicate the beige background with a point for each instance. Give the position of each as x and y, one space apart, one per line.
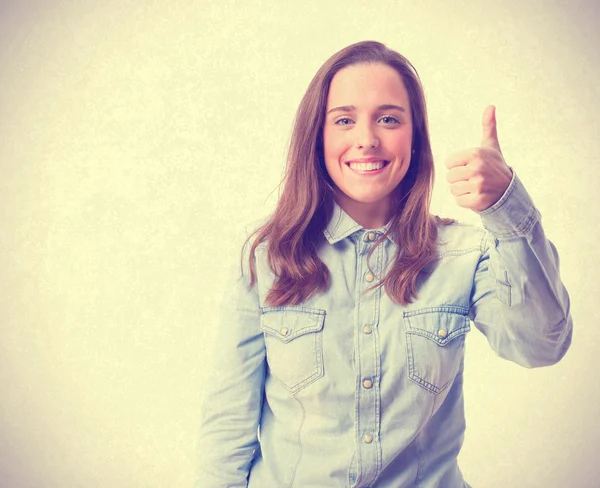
136 141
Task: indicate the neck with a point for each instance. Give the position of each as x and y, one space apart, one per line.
373 215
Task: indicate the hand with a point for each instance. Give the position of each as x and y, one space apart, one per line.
478 177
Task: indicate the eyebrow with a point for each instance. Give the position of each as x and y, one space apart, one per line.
351 108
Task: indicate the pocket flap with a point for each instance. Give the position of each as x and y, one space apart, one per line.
287 323
439 324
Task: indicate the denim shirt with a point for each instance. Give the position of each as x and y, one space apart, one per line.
350 389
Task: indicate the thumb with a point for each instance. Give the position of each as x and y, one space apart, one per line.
490 135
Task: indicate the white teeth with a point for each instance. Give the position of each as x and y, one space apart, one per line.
366 166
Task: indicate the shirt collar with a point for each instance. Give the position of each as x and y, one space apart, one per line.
341 225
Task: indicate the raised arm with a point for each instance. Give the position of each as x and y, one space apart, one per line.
518 299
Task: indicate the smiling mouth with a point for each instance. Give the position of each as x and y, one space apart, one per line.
370 167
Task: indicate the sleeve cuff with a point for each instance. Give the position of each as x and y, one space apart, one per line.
514 214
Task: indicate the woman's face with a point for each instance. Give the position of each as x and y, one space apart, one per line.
367 137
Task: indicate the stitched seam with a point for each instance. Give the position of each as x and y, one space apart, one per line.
314 375
377 392
411 370
350 469
427 385
318 372
457 252
412 331
503 292
293 308
523 229
299 441
483 244
333 239
437 339
357 366
298 333
442 308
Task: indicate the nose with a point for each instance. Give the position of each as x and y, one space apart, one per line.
366 138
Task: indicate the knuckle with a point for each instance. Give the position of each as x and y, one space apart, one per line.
477 166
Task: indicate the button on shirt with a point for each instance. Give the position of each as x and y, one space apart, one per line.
350 389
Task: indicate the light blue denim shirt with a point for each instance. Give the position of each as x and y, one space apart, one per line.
352 390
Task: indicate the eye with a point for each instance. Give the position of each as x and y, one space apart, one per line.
343 121
388 119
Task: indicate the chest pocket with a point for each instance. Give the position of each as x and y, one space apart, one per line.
294 340
435 341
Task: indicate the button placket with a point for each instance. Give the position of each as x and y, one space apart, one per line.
369 402
368 239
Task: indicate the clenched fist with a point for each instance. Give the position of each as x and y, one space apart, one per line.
478 177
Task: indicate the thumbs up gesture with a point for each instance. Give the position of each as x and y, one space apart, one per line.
478 177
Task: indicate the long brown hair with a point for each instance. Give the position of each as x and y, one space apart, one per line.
294 232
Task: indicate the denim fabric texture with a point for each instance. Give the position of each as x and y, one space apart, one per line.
352 390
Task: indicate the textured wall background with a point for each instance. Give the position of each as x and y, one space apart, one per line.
138 138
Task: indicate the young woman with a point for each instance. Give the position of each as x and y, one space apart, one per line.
339 358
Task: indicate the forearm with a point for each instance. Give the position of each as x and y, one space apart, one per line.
519 300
